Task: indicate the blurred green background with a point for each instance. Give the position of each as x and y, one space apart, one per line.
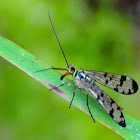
96 36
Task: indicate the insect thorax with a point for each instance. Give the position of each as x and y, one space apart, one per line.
81 79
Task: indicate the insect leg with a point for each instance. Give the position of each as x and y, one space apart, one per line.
83 91
63 84
89 110
87 104
73 96
51 69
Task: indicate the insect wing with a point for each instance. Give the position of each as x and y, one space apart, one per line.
119 83
108 104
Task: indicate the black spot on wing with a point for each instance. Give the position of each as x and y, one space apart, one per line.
105 74
106 81
112 102
129 92
121 114
111 78
111 113
134 86
123 78
122 123
116 89
102 95
98 98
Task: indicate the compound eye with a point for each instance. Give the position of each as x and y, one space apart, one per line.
72 70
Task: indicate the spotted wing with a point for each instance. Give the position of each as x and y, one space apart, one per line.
107 103
119 83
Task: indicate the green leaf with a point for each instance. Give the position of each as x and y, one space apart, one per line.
50 78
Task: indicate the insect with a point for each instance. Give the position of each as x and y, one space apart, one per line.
86 79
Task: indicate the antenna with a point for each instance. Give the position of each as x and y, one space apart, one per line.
57 39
